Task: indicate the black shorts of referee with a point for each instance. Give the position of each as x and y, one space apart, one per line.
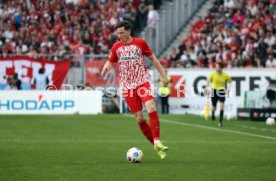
218 95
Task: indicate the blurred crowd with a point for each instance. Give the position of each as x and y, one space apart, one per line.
238 33
59 28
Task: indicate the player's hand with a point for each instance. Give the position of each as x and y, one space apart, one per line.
165 82
104 71
207 92
227 93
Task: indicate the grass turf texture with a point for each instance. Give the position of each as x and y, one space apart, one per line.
78 148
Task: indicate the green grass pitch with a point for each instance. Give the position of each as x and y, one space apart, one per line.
76 148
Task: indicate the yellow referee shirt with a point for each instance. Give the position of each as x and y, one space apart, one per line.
219 80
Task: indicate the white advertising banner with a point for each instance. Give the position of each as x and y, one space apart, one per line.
190 84
51 102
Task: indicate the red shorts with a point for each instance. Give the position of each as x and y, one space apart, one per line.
135 97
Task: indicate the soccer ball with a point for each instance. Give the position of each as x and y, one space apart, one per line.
270 121
134 155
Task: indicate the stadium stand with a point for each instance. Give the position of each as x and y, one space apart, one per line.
60 28
237 33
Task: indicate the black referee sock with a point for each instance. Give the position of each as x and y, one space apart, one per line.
221 116
213 115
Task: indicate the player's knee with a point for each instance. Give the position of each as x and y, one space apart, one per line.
221 106
151 108
140 118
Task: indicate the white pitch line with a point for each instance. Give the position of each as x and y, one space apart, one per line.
217 129
252 127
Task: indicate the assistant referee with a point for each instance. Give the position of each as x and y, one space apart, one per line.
221 85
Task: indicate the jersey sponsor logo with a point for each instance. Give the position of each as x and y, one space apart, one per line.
127 53
127 58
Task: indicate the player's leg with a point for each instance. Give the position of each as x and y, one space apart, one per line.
221 113
214 99
154 119
213 112
143 125
145 94
135 105
162 104
155 128
221 100
167 105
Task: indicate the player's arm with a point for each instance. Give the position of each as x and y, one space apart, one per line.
107 66
207 88
208 85
109 63
160 69
228 85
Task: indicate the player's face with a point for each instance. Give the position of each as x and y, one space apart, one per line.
123 34
218 68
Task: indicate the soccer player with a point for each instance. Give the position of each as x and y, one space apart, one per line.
164 94
135 78
221 85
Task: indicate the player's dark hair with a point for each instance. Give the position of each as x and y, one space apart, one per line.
220 64
125 24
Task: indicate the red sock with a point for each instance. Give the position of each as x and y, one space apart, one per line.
144 127
154 125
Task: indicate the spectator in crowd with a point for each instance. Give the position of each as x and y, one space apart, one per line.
236 33
17 81
41 81
142 14
261 51
202 57
190 63
183 59
229 4
174 57
14 83
165 61
153 17
64 27
271 62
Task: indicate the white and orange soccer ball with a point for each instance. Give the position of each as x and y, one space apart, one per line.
270 121
134 155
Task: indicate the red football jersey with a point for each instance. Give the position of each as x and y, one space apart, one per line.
130 56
